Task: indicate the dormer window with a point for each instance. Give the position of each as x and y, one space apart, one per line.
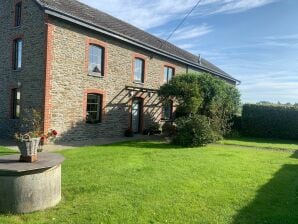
18 14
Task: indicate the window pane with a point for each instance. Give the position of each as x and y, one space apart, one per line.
18 14
96 59
18 48
139 70
19 53
165 74
170 74
94 108
15 104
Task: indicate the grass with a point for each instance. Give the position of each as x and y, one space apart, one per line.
5 151
151 182
262 143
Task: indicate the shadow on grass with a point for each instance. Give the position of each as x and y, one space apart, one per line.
265 140
295 155
147 145
276 202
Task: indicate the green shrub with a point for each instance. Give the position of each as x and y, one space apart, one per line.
193 131
168 129
270 121
154 129
236 123
203 94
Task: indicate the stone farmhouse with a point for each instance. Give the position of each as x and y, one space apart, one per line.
89 74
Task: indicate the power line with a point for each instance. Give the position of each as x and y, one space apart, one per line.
184 19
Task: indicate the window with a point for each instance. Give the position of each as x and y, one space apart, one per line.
167 110
96 60
169 73
139 70
15 104
18 14
17 54
94 108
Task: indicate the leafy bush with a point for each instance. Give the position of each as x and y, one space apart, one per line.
169 129
193 131
152 130
203 94
129 133
270 121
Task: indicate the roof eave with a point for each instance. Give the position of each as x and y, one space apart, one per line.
70 18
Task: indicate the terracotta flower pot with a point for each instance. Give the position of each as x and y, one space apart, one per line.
28 149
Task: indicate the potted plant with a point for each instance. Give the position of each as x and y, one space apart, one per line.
28 144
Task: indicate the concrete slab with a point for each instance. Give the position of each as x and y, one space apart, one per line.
10 164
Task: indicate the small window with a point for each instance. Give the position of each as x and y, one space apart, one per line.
18 14
139 70
17 54
167 110
15 104
96 60
169 73
94 108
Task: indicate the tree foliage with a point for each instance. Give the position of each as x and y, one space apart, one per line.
203 94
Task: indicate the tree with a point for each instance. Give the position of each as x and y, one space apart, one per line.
206 95
185 91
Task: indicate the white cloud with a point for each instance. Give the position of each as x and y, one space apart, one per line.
190 32
283 37
154 13
236 6
187 46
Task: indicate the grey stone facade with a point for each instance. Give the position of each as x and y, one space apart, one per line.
70 79
58 84
31 77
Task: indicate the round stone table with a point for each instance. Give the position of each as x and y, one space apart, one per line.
29 187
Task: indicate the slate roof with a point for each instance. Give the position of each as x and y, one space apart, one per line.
84 13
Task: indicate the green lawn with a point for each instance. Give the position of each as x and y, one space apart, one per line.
150 182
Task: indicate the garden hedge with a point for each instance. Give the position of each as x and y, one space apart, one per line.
270 121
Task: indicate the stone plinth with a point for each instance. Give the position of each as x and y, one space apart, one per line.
29 187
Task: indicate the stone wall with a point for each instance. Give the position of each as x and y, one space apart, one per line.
31 76
54 78
70 80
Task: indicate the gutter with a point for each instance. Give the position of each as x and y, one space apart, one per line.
72 19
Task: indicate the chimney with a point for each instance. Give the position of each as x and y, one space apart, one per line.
200 59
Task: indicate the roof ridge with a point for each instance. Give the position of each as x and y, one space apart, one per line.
116 26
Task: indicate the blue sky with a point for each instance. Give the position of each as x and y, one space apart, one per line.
256 41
